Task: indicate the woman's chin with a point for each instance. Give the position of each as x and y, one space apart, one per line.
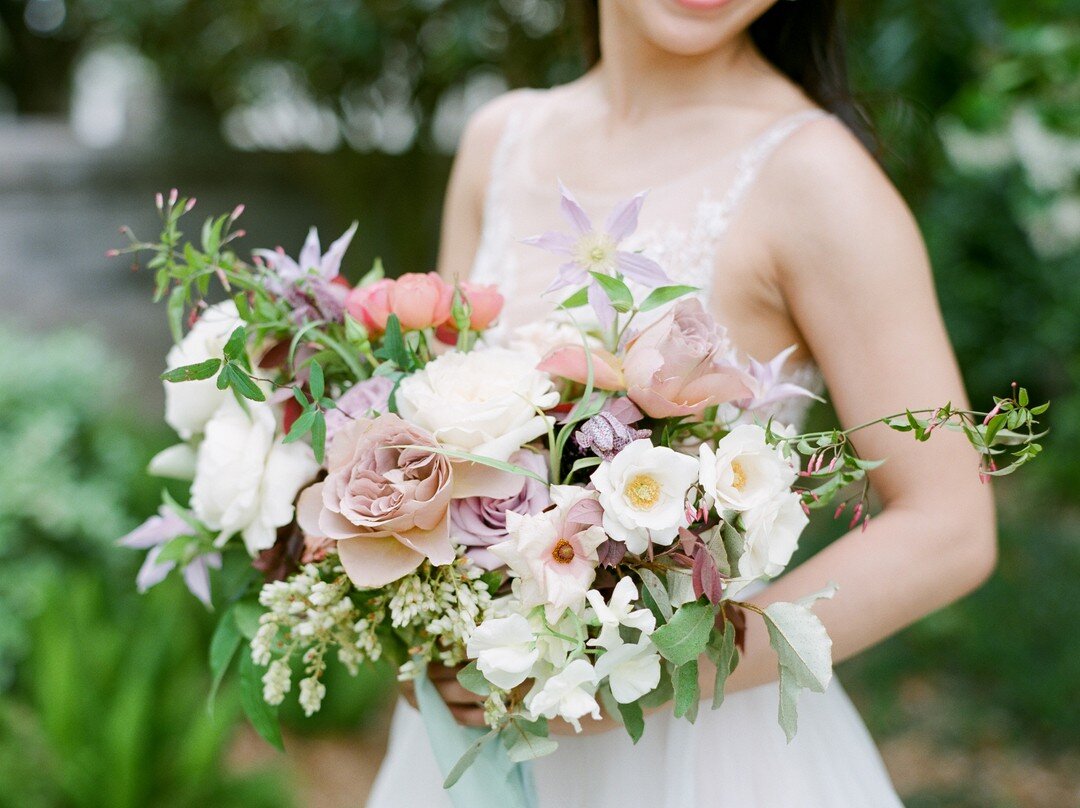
692 27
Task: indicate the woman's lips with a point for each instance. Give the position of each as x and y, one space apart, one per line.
702 5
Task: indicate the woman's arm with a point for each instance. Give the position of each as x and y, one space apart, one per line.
854 273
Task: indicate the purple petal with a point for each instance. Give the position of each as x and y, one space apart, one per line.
641 269
598 299
573 212
623 219
552 241
331 262
197 575
569 274
151 572
310 253
155 531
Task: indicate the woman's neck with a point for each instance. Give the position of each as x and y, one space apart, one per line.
638 79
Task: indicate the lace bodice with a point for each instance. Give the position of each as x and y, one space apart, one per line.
682 224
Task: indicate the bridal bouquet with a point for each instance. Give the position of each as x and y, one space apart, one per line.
569 513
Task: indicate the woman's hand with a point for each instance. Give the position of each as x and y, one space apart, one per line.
467 707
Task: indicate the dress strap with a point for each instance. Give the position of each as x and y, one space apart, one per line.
751 160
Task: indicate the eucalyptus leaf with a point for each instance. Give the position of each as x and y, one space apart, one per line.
684 637
656 589
633 718
467 759
223 646
527 745
473 680
687 690
724 656
804 652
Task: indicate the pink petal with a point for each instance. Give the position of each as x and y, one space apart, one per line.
372 562
570 362
573 212
623 219
331 262
433 544
310 253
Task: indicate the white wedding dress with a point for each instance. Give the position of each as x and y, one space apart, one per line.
736 755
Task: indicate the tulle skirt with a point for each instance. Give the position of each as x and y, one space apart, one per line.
735 756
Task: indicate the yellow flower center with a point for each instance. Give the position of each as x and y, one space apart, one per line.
595 251
643 492
563 551
738 479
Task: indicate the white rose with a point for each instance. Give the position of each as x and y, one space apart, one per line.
643 493
504 649
744 471
772 533
189 405
632 669
553 558
569 695
484 402
245 480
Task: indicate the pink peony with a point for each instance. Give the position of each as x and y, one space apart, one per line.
479 522
421 301
386 506
370 304
674 368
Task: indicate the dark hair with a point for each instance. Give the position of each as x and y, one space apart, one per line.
803 39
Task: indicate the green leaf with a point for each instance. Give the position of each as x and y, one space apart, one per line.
175 311
175 549
300 426
472 680
466 760
722 652
192 373
633 719
656 589
525 744
576 300
223 646
242 383
458 454
376 273
618 292
246 614
683 638
234 348
803 649
262 716
316 383
664 294
318 436
393 347
687 692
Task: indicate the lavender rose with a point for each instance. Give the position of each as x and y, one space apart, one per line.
386 506
479 522
357 401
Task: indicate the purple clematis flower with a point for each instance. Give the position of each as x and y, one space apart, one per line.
155 533
311 283
766 385
592 250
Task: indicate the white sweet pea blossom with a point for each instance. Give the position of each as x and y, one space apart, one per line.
245 479
744 471
485 402
632 669
551 644
504 649
643 493
619 611
772 533
569 695
189 405
553 558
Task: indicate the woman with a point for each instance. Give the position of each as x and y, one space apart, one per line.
734 114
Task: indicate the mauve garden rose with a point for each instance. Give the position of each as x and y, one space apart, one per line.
386 506
674 367
479 522
358 400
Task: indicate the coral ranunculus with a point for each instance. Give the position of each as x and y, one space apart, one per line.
370 304
675 366
386 500
421 300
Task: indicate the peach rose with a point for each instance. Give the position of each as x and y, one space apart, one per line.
674 367
421 301
370 304
386 506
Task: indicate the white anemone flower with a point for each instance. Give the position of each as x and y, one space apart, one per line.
643 493
744 471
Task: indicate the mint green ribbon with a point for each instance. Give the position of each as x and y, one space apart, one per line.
492 780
